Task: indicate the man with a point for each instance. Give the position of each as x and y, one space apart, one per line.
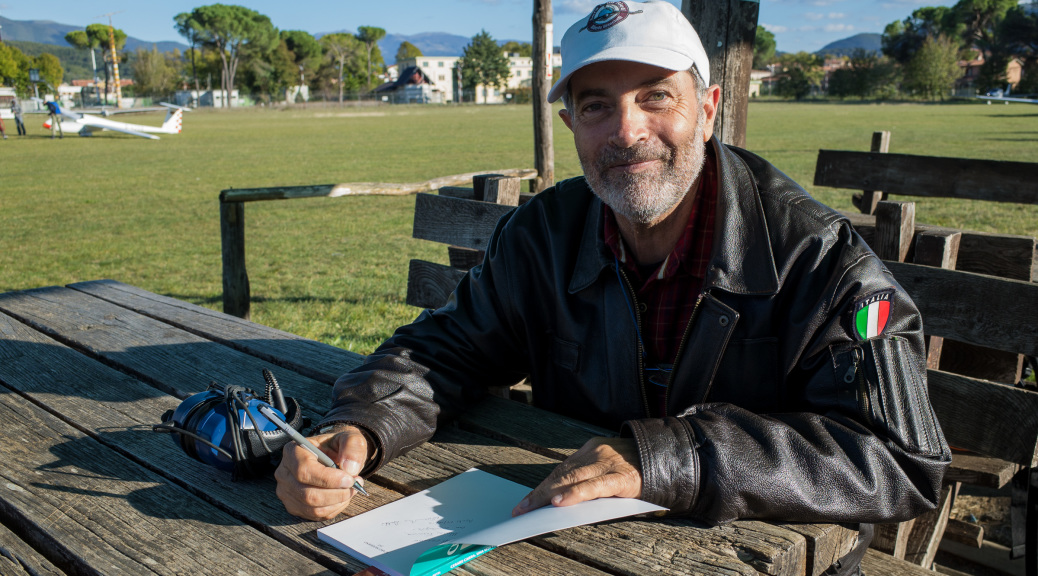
685 293
55 119
16 109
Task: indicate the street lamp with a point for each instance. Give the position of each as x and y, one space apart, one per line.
34 77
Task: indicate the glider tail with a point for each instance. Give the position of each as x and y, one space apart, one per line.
174 121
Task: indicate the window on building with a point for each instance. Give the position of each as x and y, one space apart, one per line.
441 63
425 64
442 77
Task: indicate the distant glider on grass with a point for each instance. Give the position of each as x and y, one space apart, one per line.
87 124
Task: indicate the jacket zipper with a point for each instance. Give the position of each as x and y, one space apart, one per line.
641 350
853 375
681 348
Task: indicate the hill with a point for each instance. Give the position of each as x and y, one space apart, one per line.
868 41
48 32
430 43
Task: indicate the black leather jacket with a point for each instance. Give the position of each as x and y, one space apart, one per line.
777 408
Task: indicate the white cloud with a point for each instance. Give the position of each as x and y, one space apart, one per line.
813 16
775 29
839 27
837 15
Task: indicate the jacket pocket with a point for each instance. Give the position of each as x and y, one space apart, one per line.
565 354
890 391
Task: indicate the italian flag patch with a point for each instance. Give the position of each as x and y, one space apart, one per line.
871 314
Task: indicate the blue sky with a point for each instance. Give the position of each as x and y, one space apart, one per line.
797 24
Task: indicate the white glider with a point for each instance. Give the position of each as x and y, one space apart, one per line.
87 124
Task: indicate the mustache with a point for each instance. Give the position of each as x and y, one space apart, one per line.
613 156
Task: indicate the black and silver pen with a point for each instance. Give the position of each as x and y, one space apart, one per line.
302 441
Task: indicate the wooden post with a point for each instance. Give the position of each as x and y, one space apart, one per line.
502 190
895 226
727 29
235 277
870 198
543 146
938 248
479 185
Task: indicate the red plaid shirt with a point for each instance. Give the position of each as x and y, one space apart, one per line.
667 293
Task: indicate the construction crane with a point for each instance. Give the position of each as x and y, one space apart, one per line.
115 58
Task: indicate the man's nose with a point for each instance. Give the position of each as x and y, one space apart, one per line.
631 126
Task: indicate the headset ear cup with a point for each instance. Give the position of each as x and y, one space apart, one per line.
191 421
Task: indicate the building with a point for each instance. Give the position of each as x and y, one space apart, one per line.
208 98
443 73
965 86
413 86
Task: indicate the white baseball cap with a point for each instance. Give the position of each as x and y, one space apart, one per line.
652 32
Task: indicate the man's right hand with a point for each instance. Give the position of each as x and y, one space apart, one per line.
311 490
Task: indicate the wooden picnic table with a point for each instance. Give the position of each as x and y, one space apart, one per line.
86 487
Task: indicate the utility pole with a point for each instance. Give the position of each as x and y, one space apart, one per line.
115 59
727 29
544 148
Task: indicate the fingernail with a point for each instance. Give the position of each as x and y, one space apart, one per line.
524 504
556 499
352 467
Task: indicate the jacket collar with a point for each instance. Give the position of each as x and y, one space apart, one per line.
742 260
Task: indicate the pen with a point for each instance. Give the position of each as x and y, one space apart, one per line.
302 441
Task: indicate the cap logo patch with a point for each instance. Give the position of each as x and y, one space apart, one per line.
607 15
871 314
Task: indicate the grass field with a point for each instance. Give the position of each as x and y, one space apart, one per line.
146 213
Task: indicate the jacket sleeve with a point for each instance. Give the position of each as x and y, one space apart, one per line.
433 369
857 440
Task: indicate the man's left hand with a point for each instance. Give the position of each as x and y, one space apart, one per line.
603 467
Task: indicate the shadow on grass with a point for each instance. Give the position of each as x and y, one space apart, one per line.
202 300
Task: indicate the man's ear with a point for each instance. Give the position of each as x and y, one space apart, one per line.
709 104
566 118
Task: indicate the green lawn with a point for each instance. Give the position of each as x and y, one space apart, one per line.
146 213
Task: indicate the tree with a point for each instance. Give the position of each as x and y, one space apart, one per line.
229 30
370 36
763 48
868 74
902 39
484 63
50 69
97 35
345 52
980 19
14 66
155 73
523 49
406 51
801 72
933 70
187 27
305 50
1018 33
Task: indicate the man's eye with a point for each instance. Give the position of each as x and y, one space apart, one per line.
657 96
593 107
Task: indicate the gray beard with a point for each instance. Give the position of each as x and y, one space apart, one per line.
646 197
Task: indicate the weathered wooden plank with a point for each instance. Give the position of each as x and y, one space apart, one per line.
978 470
895 227
171 359
479 185
90 508
307 357
826 543
876 563
768 548
464 258
938 248
727 29
456 221
928 529
929 176
19 559
983 310
502 190
429 285
870 198
981 362
360 188
103 407
963 532
892 538
235 276
985 417
1002 255
457 192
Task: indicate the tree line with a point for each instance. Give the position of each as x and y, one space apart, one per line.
920 55
234 47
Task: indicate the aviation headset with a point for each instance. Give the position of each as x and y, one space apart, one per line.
222 427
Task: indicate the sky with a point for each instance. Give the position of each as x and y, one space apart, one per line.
797 24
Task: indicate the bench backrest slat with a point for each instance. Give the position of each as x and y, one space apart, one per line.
983 310
456 221
985 417
931 176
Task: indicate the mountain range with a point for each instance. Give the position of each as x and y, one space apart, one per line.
430 43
